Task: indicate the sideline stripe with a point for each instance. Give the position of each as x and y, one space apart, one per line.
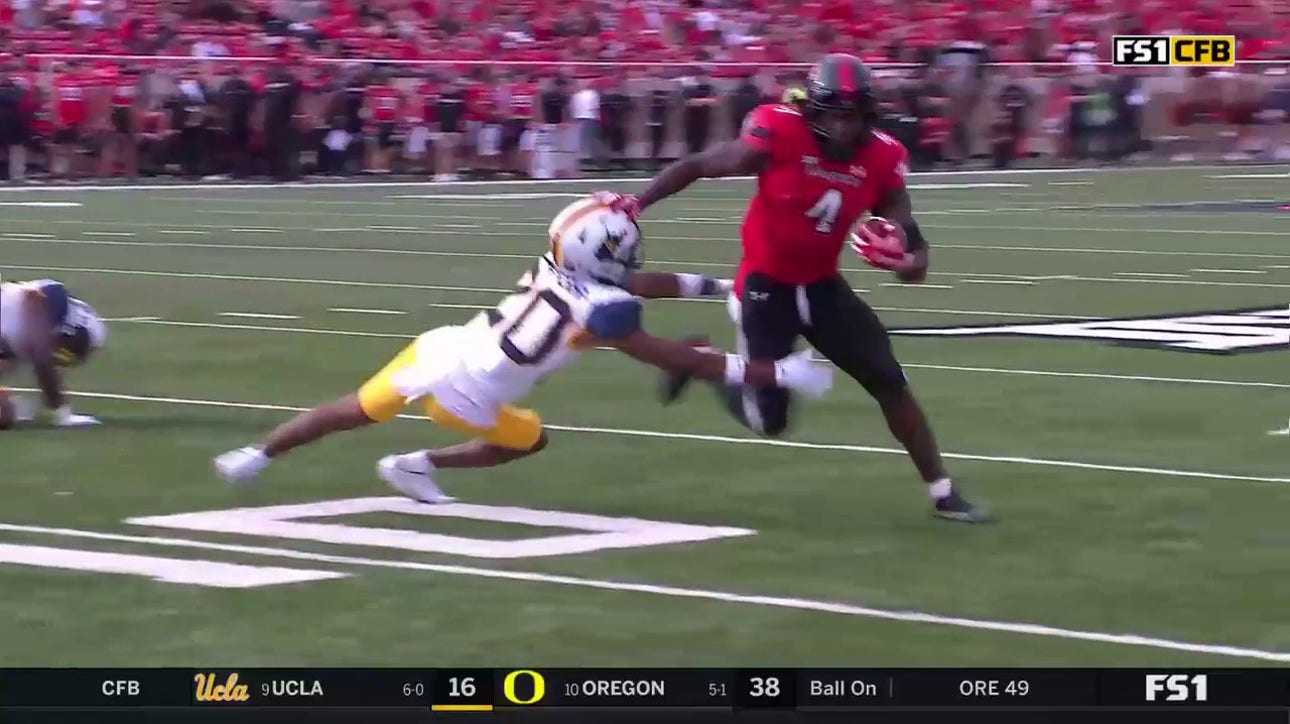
499 290
1013 459
949 368
803 604
600 181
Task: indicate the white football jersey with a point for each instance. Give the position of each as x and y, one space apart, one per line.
500 355
12 295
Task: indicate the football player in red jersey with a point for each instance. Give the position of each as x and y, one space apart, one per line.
820 165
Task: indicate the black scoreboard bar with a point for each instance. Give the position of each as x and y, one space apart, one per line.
466 690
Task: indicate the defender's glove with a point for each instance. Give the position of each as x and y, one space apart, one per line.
626 203
799 373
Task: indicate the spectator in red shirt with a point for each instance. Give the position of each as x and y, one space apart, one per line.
520 93
120 141
384 107
69 110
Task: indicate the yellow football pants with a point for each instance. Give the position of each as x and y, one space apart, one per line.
515 428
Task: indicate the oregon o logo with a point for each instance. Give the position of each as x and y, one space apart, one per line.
539 687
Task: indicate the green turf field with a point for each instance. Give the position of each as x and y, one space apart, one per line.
1143 500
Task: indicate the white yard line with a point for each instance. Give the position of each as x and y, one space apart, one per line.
256 315
598 181
1230 271
995 279
1187 282
262 328
183 232
1103 230
507 236
250 230
499 290
1095 251
948 368
1282 176
914 286
247 278
1006 459
793 603
363 310
1158 275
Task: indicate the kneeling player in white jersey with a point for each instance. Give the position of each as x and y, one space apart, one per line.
41 325
581 293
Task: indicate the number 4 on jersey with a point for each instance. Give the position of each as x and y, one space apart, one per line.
825 211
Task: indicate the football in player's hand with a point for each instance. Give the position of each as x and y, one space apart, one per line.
880 242
885 237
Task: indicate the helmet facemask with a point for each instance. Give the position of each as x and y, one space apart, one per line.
840 124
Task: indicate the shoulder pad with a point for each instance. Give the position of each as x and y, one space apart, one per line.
56 298
615 319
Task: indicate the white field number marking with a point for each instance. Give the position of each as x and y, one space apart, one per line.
1282 433
597 532
184 571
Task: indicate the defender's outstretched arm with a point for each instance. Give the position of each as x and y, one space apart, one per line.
795 372
665 285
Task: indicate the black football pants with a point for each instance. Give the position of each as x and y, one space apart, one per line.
770 316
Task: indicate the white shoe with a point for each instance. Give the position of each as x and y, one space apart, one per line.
418 486
241 465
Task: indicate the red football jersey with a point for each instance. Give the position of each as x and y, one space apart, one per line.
806 204
385 102
69 99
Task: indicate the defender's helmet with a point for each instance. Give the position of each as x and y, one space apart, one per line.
591 241
81 333
840 105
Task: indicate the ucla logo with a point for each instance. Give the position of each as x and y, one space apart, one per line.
230 691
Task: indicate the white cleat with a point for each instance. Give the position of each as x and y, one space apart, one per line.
241 465
418 486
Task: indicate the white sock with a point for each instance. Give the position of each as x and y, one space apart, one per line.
416 462
942 488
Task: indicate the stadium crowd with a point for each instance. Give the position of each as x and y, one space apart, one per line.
547 88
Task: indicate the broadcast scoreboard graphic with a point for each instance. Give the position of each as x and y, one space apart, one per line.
1174 50
1238 695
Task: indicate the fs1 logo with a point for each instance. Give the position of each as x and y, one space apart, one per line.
1177 687
1213 50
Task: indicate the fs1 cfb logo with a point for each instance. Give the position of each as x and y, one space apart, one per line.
1177 687
1155 50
